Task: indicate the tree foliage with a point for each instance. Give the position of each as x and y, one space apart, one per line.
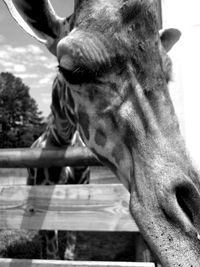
20 121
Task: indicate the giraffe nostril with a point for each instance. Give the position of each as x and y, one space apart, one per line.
188 200
181 206
184 201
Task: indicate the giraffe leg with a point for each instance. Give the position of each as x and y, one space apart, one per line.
70 246
67 244
50 248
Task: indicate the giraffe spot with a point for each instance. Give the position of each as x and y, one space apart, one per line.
84 122
100 137
130 138
117 153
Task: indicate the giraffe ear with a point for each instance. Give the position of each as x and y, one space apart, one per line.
169 37
38 19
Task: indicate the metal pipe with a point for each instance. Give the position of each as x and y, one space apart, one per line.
41 158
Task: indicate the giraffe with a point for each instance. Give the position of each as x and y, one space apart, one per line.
54 138
116 68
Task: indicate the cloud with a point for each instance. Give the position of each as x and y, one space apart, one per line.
48 78
29 60
28 75
51 64
5 63
30 55
46 98
19 68
12 67
36 50
32 49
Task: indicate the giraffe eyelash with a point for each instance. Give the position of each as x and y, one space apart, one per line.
78 75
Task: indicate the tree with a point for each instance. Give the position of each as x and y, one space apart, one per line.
20 121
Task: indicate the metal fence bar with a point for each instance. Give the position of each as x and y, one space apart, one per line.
48 263
32 158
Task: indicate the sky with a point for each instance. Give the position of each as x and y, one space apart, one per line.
26 58
185 86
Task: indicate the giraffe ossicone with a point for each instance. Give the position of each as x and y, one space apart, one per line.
115 70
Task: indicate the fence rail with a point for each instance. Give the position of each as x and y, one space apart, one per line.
66 207
27 158
44 263
102 207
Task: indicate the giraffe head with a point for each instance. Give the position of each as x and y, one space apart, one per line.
115 64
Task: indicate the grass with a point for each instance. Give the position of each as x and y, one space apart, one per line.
95 246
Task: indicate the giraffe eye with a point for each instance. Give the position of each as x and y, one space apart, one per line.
77 75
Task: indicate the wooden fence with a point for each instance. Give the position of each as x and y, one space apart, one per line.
62 207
